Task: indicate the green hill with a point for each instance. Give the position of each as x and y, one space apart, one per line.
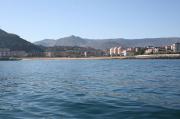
14 42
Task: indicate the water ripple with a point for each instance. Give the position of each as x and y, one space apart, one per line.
86 89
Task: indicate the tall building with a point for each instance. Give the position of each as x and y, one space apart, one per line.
115 51
120 49
111 51
176 47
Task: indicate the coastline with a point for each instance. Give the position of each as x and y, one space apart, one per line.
9 59
154 56
71 58
158 56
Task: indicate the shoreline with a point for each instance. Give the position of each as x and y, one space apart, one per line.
158 56
155 56
71 58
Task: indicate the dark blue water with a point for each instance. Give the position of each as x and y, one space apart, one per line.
90 89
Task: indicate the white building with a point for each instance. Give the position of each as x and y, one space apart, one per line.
156 50
85 54
111 51
168 48
127 53
115 51
137 49
149 51
176 47
124 53
120 49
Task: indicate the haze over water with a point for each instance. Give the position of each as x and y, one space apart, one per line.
90 89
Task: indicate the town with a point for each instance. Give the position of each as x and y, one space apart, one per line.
169 49
57 51
78 52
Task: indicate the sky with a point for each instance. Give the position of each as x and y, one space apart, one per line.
36 20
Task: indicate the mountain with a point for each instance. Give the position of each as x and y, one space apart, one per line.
107 43
14 42
47 42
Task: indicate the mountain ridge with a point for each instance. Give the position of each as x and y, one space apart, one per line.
108 43
16 43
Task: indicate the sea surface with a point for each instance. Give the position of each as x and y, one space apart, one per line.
90 89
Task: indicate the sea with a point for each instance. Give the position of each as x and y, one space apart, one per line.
90 89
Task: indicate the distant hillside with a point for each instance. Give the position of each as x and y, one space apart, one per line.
14 42
107 43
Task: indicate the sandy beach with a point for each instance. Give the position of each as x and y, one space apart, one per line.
157 56
71 58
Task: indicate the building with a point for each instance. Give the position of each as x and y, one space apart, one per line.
18 54
168 48
7 53
124 53
4 52
72 51
49 54
120 50
111 51
149 51
85 54
127 53
137 49
176 47
159 50
156 50
115 51
130 49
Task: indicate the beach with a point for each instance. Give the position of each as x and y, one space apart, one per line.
71 58
154 56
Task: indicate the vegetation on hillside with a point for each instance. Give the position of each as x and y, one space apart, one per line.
14 42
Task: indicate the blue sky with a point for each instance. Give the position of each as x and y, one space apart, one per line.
39 19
